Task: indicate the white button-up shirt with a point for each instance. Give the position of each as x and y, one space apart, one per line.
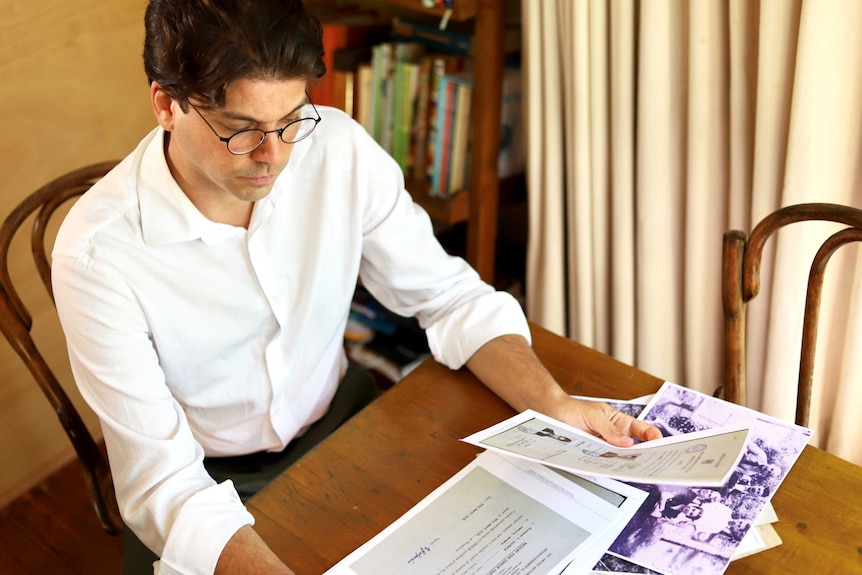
191 338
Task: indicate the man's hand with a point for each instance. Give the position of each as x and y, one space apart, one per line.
510 368
601 419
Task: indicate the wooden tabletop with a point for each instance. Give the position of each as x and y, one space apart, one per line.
404 445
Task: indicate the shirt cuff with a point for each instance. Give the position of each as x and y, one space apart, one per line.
205 524
457 336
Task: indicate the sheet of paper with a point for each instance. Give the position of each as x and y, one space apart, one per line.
698 528
704 458
760 538
626 498
496 515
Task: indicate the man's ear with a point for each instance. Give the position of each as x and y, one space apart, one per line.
163 106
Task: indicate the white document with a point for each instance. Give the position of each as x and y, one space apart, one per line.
706 458
503 516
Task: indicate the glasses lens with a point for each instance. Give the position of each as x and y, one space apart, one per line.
245 141
298 130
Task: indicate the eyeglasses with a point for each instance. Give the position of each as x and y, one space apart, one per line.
247 141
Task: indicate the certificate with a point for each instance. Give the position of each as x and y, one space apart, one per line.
499 516
706 458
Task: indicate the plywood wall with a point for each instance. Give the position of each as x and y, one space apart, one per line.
72 92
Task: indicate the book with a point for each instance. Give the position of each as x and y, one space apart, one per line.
381 61
439 65
346 63
364 95
460 133
384 59
406 55
511 156
406 92
443 137
418 131
342 28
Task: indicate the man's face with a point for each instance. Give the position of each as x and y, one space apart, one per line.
706 494
206 171
692 511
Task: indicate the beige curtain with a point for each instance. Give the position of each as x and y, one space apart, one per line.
655 126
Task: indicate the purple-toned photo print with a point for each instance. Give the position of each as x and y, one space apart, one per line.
682 529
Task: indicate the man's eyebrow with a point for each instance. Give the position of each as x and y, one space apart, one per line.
238 117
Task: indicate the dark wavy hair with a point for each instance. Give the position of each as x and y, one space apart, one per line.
195 48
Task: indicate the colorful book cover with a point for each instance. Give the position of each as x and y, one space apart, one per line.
441 64
407 75
401 52
445 113
382 55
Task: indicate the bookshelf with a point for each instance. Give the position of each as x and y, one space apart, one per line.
478 204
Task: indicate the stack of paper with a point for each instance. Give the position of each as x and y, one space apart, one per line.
546 498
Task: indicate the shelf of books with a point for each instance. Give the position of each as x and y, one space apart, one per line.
435 92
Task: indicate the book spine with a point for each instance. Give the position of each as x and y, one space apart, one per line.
412 121
445 148
401 52
406 74
439 125
398 105
440 66
459 141
364 89
420 132
382 54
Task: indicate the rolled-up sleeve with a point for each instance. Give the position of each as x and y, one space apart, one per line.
407 270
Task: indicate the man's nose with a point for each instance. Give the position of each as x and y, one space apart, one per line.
272 150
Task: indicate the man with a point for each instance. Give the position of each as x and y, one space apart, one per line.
204 285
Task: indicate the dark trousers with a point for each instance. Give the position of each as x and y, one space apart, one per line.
251 473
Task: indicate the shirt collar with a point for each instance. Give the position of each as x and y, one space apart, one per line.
167 214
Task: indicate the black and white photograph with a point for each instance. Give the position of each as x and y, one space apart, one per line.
691 529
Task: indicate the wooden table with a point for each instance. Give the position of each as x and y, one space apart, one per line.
400 448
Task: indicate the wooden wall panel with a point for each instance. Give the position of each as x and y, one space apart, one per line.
73 93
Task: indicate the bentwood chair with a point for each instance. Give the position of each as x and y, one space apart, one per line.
16 323
741 283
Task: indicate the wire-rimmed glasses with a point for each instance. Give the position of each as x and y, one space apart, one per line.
247 141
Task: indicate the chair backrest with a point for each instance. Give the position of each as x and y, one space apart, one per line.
741 283
16 323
